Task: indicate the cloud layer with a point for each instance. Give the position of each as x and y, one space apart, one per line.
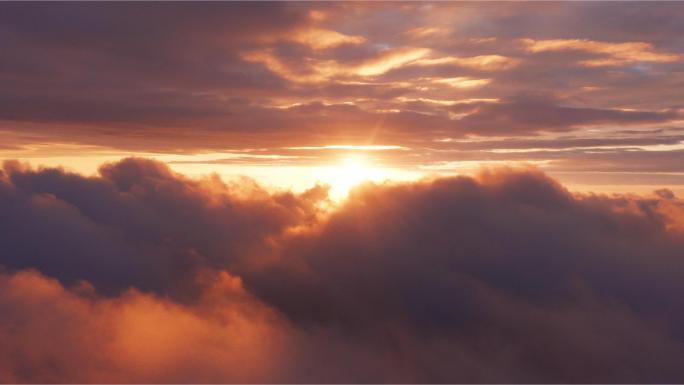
182 78
143 275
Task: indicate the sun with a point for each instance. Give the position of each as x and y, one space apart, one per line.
349 172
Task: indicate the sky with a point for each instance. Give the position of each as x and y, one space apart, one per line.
589 92
341 192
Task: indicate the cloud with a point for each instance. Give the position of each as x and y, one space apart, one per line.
139 274
510 263
203 78
318 71
325 39
54 334
138 224
524 114
142 275
426 32
482 62
616 53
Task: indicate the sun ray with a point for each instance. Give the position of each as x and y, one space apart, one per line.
350 171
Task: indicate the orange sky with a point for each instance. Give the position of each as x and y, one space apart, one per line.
590 94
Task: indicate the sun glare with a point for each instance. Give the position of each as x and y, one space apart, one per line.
349 172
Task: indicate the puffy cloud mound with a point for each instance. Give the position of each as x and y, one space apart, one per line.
52 334
137 224
143 275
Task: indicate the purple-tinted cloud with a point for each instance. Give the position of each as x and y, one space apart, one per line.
506 277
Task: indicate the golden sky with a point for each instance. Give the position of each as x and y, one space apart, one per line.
590 92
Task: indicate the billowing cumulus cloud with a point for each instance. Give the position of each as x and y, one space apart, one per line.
139 274
54 334
118 229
